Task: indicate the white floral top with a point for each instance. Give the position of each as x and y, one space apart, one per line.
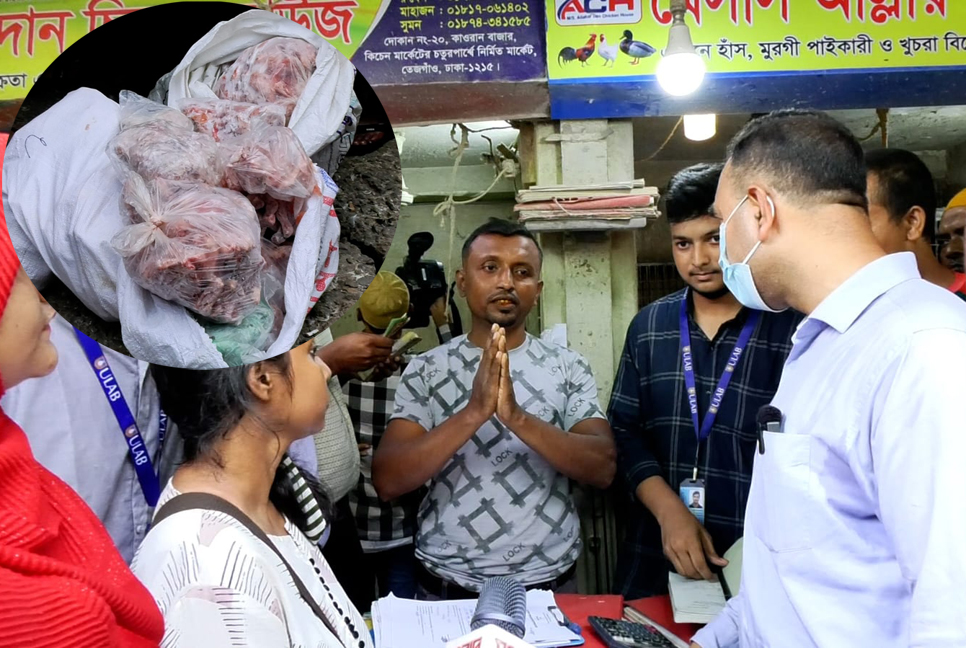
217 585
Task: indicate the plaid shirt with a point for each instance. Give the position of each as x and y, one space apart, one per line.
655 435
370 408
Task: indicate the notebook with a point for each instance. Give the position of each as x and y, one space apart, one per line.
700 601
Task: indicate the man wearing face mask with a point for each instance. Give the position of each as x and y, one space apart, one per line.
850 539
672 450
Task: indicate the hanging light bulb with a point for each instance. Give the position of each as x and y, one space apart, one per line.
681 70
700 127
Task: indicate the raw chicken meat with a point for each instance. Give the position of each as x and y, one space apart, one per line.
274 71
158 150
278 218
269 160
276 259
138 111
222 118
159 142
197 246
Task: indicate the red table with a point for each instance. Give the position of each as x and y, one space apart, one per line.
658 608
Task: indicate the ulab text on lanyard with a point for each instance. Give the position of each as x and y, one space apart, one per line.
692 490
147 476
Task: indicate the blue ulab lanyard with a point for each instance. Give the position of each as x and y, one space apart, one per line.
703 429
148 478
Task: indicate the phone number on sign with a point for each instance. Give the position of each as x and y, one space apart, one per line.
503 8
478 23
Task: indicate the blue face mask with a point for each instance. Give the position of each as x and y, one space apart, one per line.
737 276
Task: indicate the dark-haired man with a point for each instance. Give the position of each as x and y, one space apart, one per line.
902 210
498 422
953 226
386 529
699 338
850 539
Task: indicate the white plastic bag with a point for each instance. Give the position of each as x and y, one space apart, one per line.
195 245
61 198
326 113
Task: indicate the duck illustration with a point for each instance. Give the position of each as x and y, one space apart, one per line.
635 49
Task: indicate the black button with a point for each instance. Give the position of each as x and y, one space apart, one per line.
362 644
355 635
348 621
318 571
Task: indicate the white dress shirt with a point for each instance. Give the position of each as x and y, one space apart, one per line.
855 530
73 433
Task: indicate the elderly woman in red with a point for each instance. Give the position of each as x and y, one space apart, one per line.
62 581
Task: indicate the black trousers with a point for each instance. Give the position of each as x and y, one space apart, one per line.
344 554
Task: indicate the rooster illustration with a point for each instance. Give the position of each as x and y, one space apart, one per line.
568 54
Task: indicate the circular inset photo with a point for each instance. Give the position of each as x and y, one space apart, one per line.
192 184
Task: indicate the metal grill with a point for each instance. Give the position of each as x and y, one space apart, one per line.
656 280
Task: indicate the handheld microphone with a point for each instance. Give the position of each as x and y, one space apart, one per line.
503 603
769 420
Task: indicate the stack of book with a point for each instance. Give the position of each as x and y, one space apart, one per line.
592 206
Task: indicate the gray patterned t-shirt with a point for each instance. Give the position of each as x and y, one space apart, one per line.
498 508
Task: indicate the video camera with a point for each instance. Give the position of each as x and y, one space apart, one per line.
426 280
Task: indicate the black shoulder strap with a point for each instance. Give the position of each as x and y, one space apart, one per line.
207 501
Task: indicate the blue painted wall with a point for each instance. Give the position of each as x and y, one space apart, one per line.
607 98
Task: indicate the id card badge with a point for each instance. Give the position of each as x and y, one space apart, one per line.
692 494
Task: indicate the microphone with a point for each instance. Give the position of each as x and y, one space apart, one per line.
503 603
769 420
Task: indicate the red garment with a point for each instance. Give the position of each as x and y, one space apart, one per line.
63 583
62 580
959 285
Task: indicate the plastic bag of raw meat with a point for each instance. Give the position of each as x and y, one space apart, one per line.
276 259
274 71
139 111
197 246
222 118
247 341
159 142
278 218
269 160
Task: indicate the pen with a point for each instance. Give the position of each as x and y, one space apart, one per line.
566 622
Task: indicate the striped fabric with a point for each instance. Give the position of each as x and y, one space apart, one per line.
316 527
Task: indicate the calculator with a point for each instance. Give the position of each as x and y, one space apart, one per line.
624 634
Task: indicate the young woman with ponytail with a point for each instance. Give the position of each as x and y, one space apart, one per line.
232 558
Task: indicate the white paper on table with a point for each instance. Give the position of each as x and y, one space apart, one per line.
404 623
695 598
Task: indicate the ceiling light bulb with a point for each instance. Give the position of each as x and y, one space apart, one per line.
700 127
680 70
680 74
